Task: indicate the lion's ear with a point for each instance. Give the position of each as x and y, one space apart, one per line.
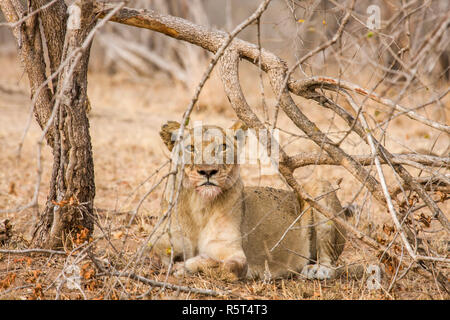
239 125
168 133
239 131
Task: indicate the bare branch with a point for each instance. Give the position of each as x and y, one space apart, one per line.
411 159
171 286
305 86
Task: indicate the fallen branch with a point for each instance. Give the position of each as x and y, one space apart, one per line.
28 251
171 286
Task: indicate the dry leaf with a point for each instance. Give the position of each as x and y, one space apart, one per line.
391 263
12 189
442 195
82 235
7 281
33 276
117 235
424 219
380 240
37 292
5 231
87 271
388 229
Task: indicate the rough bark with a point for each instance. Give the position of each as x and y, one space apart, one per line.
68 216
32 57
60 107
54 20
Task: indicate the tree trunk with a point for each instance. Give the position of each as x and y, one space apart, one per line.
68 216
61 105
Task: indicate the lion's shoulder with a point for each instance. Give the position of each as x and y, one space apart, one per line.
267 199
268 193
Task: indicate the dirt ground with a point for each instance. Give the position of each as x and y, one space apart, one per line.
126 115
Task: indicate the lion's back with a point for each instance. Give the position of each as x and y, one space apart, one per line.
268 214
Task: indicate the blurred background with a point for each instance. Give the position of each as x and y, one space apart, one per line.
290 29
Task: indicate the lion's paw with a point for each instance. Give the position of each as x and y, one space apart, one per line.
180 270
315 271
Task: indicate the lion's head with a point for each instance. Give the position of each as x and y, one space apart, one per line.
210 154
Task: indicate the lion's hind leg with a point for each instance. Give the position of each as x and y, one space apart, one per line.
329 246
327 237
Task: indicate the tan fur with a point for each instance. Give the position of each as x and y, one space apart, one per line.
237 228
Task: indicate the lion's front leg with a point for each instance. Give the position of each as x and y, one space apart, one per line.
234 263
229 254
172 245
237 264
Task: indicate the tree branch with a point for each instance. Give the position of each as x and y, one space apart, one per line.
320 158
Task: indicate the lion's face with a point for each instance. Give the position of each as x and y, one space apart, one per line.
210 158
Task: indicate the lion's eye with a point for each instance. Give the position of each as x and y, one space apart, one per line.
190 148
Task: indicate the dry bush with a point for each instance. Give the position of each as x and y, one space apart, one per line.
139 79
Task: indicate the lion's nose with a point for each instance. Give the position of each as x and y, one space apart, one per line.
207 173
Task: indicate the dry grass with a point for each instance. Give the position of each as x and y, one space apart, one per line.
125 118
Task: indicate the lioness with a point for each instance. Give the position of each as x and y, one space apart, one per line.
248 231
